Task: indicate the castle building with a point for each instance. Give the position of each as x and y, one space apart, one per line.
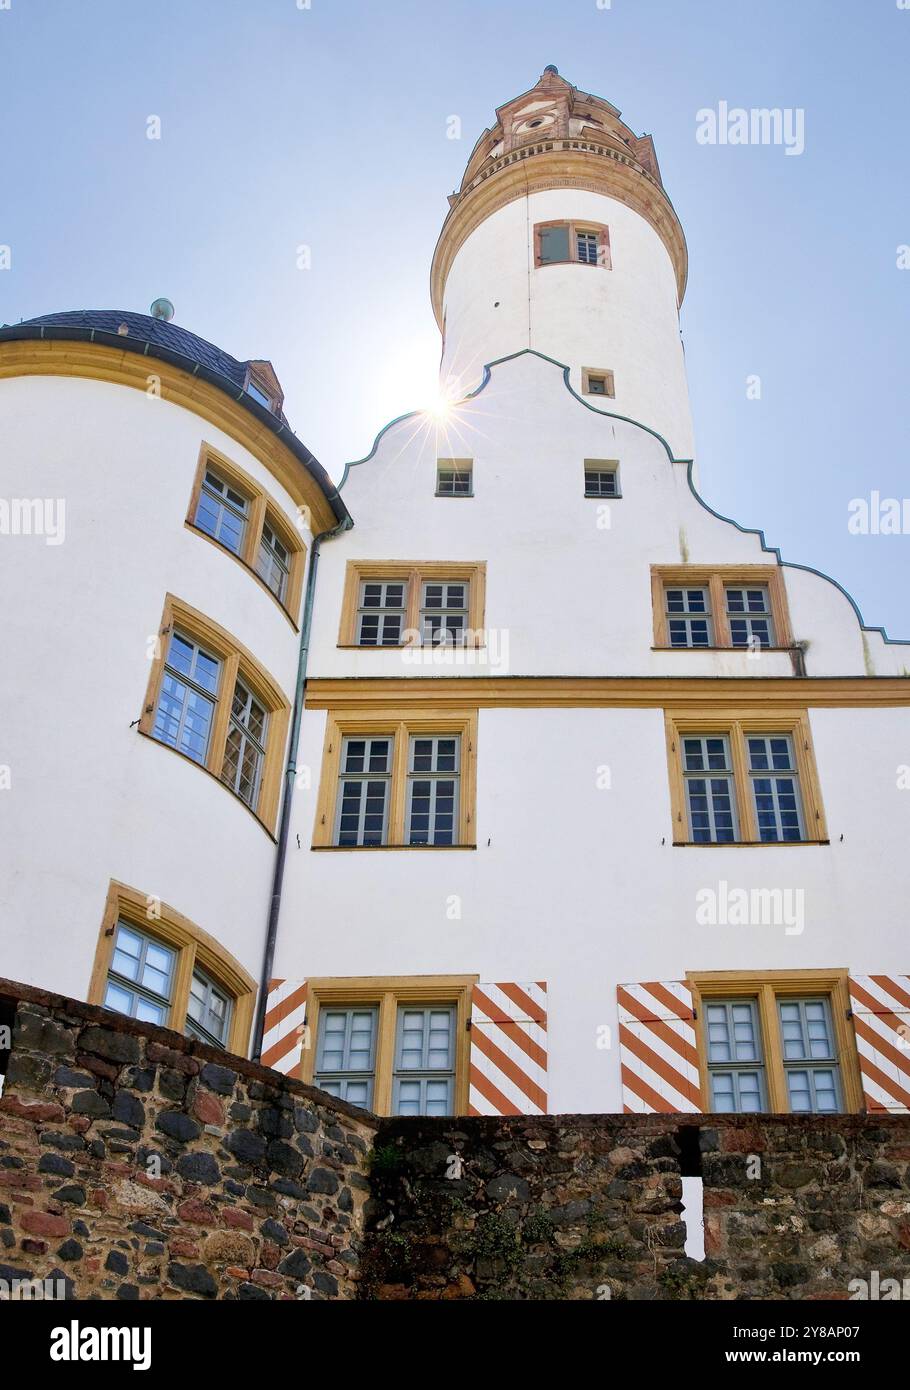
548 789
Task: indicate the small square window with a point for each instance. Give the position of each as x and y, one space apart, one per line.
597 381
601 482
454 478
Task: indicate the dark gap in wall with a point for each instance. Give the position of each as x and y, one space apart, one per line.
7 1022
688 1140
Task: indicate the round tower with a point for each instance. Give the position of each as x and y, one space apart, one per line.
562 239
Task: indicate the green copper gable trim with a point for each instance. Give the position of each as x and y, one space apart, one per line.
627 420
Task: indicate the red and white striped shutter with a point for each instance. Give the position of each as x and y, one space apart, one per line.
509 1049
881 1021
282 1042
658 1054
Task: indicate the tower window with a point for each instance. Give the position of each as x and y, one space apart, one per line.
597 381
584 243
454 478
601 482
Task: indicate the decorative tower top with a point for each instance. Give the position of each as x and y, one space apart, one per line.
555 136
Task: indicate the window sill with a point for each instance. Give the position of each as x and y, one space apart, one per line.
371 849
413 647
589 265
747 650
226 550
603 496
454 496
746 844
215 778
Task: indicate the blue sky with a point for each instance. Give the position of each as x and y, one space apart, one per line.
326 127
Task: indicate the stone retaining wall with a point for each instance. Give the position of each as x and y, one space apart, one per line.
135 1163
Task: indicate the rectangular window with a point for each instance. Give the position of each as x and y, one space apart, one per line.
208 1015
596 381
454 478
382 612
399 1046
601 482
140 980
209 699
244 752
710 788
346 1054
579 243
222 511
734 1056
444 611
688 614
232 509
749 616
388 603
777 1041
186 703
274 562
775 787
424 1077
259 394
748 779
810 1056
404 780
363 793
434 766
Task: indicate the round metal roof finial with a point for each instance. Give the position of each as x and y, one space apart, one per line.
162 309
551 67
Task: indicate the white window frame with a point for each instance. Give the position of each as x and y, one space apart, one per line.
434 776
222 499
687 616
709 775
382 611
364 778
443 611
736 1067
774 776
338 1080
424 1075
750 619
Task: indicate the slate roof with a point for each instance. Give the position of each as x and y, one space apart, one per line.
157 338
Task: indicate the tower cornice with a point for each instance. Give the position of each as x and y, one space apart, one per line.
569 163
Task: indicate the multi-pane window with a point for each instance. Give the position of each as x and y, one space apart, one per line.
244 752
381 614
424 1076
601 482
346 1053
774 1048
809 1056
454 478
749 616
233 509
581 243
775 787
751 779
186 701
434 769
140 980
444 611
208 1013
688 617
735 1064
222 511
710 788
363 795
273 564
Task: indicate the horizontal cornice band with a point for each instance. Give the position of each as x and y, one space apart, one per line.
603 692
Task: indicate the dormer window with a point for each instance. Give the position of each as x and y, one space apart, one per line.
581 243
258 394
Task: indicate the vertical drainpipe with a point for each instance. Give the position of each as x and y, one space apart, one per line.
290 777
